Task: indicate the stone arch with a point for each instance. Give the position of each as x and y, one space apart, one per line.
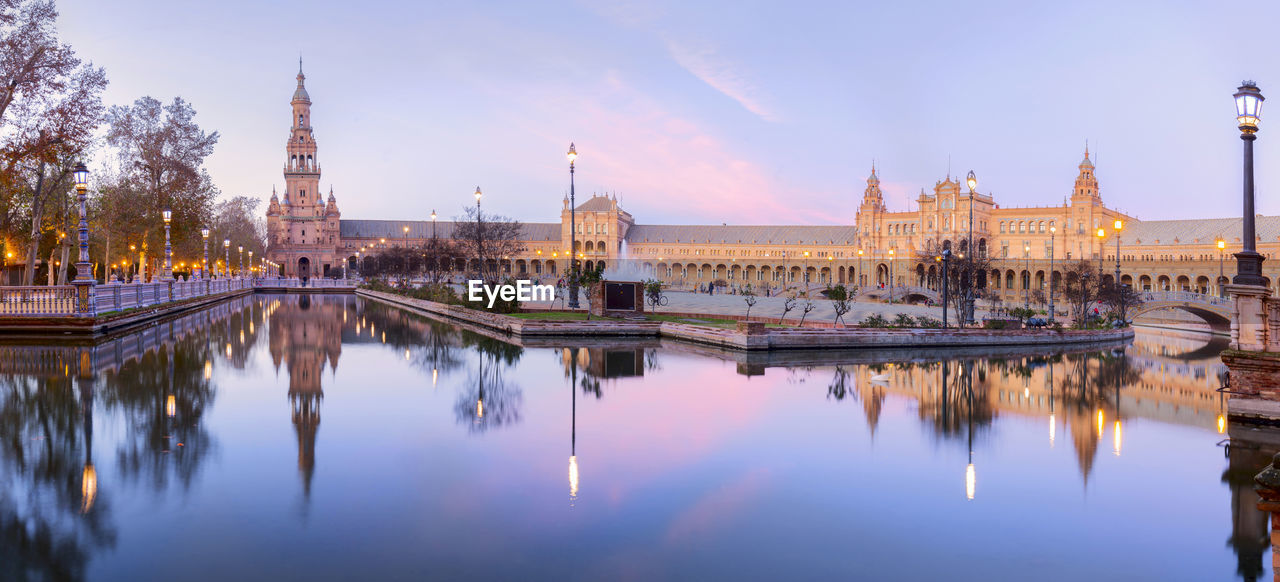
1184 283
1202 284
1144 283
1163 283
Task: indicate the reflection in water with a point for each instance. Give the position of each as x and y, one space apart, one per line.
154 389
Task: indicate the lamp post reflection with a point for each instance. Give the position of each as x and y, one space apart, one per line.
573 426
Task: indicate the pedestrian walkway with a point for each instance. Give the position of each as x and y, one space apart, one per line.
722 304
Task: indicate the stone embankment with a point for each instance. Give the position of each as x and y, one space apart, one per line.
754 335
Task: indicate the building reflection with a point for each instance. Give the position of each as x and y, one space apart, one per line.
1248 451
305 335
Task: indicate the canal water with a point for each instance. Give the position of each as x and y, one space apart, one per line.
296 437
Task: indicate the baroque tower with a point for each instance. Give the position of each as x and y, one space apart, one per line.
303 232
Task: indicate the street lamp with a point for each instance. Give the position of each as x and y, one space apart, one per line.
168 249
891 276
204 272
84 279
1248 110
240 249
1222 245
479 235
946 261
573 232
1119 225
966 313
250 263
1053 232
226 247
1026 285
1101 235
860 275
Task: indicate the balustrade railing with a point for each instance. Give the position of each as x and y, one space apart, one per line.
60 300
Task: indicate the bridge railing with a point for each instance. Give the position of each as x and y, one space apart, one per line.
38 300
293 282
1185 296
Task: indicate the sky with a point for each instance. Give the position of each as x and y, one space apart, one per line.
739 112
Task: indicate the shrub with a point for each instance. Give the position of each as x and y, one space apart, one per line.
926 321
904 320
994 324
874 320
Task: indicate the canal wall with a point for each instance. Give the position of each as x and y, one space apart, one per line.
755 336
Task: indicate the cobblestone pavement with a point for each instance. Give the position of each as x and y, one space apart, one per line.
701 303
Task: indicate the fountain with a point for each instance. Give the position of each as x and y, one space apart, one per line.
621 289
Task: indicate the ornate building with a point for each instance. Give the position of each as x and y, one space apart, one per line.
302 230
1025 245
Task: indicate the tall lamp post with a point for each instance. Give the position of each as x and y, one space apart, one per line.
891 276
84 281
1101 235
946 261
168 248
251 264
967 312
1222 245
573 233
858 282
240 251
226 247
1119 225
1026 285
479 235
204 272
1248 111
1053 232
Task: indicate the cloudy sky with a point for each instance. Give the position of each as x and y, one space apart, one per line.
705 112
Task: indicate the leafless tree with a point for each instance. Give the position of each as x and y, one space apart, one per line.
806 308
749 297
787 305
488 237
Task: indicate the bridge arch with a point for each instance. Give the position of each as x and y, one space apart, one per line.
1215 311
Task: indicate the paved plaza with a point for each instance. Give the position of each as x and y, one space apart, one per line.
723 304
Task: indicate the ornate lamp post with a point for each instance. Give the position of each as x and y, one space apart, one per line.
968 289
1248 111
1026 285
251 264
240 269
573 233
1119 225
890 276
226 247
168 249
1053 232
946 262
860 275
479 235
84 279
204 233
1101 235
1222 245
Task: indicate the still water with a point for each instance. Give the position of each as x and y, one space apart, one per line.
330 438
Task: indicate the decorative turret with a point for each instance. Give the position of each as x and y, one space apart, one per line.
273 208
1086 187
331 208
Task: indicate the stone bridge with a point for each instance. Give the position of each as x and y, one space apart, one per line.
908 293
1216 311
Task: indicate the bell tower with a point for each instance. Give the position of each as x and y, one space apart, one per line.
302 171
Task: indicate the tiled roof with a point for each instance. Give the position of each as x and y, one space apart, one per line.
818 235
421 229
597 204
1199 231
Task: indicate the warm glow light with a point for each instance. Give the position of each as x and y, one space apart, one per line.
477 194
88 487
1222 424
170 406
1248 106
573 476
1116 437
208 369
972 180
970 481
1026 393
435 375
1100 420
1101 233
406 355
1053 427
228 350
479 408
573 154
1119 224
1222 244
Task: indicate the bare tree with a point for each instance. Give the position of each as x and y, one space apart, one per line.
808 306
1080 289
1119 299
787 305
749 297
488 237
